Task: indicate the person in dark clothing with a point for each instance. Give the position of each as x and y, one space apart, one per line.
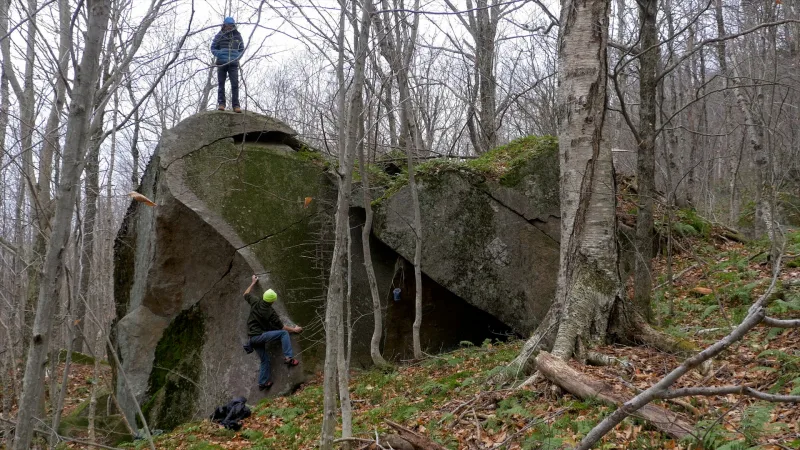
263 327
227 48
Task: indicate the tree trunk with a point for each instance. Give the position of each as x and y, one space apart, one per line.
588 280
97 350
91 192
586 387
348 137
72 167
406 120
588 306
333 304
58 405
344 343
135 141
645 158
377 312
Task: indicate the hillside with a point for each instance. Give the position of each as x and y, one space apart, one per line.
446 397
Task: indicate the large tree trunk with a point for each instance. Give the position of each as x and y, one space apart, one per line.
588 279
588 305
72 167
645 158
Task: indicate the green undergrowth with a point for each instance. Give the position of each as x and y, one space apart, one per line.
736 276
424 395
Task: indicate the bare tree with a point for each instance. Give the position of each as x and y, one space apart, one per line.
398 39
589 306
351 113
72 167
377 312
645 157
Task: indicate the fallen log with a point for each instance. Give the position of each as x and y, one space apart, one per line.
419 441
584 386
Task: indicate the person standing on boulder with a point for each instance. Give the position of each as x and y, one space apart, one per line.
227 48
263 327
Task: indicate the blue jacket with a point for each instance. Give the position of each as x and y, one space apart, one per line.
227 47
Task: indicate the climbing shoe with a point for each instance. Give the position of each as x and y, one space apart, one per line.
291 362
265 387
221 108
236 109
248 347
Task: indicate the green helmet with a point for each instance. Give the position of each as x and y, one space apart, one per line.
270 296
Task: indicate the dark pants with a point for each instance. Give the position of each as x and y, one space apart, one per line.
259 344
223 72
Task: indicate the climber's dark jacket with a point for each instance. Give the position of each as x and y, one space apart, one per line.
227 47
262 317
231 415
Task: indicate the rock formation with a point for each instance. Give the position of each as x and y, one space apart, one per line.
493 244
232 199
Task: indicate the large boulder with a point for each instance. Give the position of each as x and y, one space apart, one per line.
230 191
492 242
238 194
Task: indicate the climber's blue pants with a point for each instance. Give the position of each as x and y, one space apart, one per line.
223 72
259 344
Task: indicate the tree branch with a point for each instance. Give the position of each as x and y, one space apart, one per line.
778 323
727 390
754 317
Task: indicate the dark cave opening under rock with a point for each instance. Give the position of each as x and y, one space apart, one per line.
264 137
447 320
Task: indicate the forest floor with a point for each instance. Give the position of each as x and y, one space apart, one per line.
446 397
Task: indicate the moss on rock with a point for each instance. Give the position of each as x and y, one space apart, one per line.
533 159
510 163
260 191
172 388
110 427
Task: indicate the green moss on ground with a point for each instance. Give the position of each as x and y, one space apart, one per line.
78 358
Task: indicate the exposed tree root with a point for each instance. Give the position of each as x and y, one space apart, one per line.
584 386
645 334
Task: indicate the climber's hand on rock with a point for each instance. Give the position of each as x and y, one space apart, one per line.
255 278
297 329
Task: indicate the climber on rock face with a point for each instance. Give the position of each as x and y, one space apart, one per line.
263 327
227 48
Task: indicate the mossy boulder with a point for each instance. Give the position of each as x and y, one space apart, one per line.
110 427
238 194
489 229
230 191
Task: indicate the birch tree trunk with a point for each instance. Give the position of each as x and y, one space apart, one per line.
72 166
588 304
588 279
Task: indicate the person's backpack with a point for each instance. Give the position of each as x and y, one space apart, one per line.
231 415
